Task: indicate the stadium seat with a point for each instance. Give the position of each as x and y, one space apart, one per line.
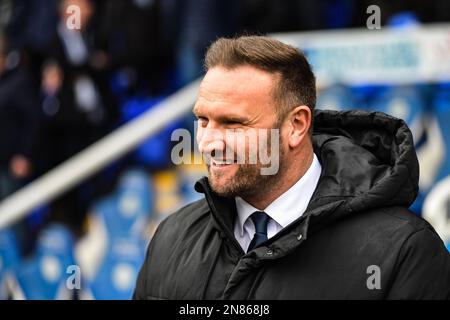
135 191
442 113
9 258
434 152
116 277
44 275
126 211
123 214
155 151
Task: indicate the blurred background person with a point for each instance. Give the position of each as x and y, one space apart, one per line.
19 121
76 106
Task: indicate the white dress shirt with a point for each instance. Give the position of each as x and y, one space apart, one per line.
284 210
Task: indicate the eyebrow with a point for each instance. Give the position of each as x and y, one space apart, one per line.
233 118
224 118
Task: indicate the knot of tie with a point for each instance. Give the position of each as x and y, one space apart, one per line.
260 220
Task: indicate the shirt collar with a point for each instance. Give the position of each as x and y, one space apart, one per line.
290 205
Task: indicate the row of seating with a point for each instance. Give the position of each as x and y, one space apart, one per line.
104 263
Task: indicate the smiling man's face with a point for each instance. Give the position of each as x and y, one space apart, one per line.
236 100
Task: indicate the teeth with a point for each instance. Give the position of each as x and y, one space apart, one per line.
222 162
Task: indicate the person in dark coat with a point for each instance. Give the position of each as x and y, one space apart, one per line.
76 108
19 121
332 222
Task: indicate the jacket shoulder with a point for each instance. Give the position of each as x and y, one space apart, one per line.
390 226
423 262
191 211
184 217
388 220
403 217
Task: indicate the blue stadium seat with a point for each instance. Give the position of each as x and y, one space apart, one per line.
155 151
441 107
116 277
127 211
136 182
9 258
43 276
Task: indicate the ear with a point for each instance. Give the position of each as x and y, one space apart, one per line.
299 123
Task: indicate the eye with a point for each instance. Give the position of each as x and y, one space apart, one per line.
232 122
202 120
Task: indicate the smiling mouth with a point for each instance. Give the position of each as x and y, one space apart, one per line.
222 163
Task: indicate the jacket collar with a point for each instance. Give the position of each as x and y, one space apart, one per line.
224 213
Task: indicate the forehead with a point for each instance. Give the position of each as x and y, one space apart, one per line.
241 84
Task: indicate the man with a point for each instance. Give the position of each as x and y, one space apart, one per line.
19 120
331 223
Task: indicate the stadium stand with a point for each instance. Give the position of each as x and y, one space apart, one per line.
132 71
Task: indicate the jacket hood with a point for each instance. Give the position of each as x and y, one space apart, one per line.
368 161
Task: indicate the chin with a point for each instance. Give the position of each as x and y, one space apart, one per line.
220 185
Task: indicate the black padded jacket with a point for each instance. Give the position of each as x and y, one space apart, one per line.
356 240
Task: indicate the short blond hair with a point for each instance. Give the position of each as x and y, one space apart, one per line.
297 83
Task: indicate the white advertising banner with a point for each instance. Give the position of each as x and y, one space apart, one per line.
397 56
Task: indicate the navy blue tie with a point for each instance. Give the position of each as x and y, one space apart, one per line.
260 220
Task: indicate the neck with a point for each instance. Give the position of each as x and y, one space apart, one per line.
282 182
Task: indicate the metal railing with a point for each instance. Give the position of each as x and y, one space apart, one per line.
97 156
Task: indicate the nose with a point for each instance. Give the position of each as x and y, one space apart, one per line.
210 141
